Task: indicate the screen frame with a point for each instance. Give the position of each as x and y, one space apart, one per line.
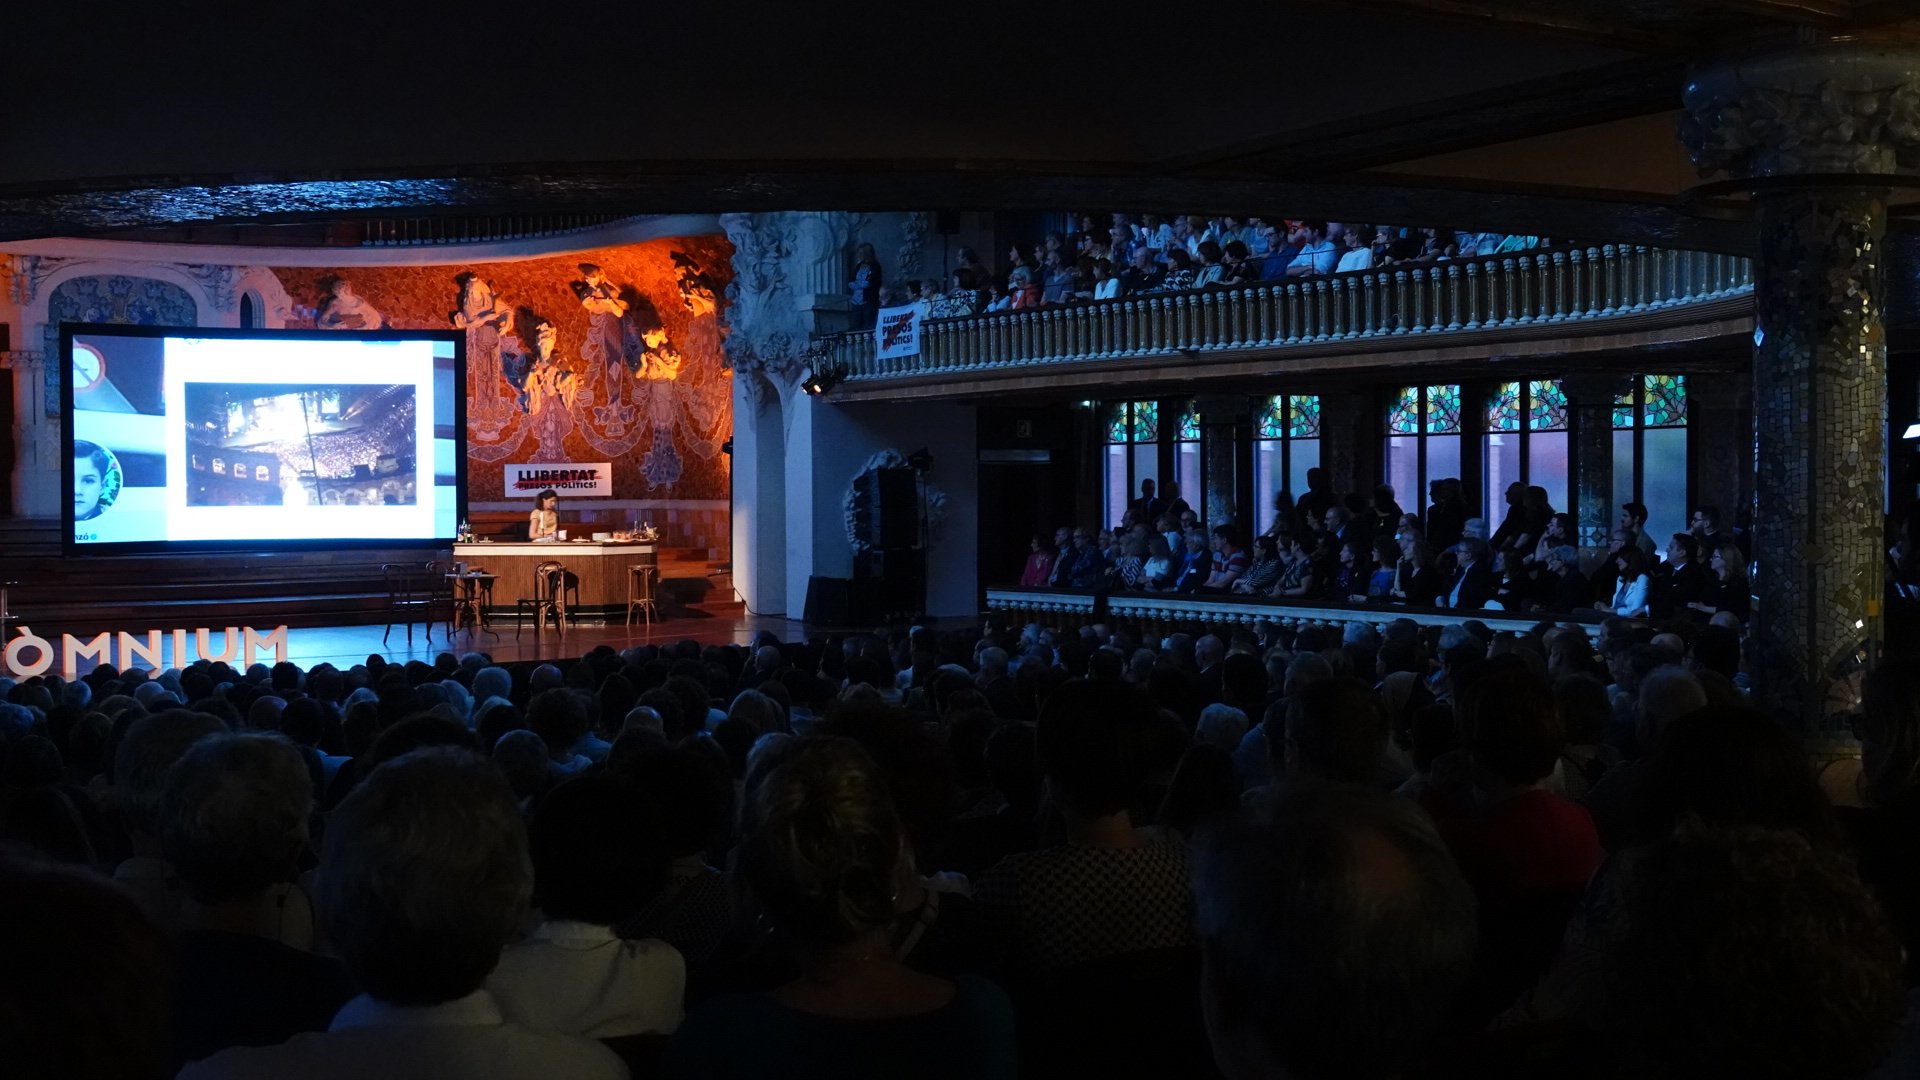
71 549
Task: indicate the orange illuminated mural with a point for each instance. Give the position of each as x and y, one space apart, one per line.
606 355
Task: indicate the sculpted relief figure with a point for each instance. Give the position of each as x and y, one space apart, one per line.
345 309
491 387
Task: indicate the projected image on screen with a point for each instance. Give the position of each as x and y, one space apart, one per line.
272 444
202 438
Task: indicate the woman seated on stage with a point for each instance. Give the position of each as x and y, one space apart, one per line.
544 522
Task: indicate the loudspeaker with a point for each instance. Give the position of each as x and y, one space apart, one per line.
828 600
887 509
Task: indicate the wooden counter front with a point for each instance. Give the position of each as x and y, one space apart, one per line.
598 570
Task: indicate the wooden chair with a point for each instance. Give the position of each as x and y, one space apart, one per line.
409 599
443 592
640 593
551 585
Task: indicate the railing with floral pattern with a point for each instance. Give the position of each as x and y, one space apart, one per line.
1521 290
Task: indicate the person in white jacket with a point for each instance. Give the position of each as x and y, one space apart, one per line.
1631 597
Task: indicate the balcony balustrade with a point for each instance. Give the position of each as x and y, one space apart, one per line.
1522 292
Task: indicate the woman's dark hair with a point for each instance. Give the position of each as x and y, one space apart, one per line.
1179 259
822 843
1635 560
598 856
1265 544
544 495
1509 721
1735 767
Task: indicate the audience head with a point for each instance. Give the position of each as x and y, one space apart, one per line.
823 844
148 749
1509 724
1665 694
1335 730
1749 952
1335 939
1097 743
89 979
597 858
234 816
423 875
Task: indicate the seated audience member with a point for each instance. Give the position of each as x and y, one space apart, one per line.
820 857
1585 713
1335 940
423 874
1109 889
1570 590
1680 581
1726 588
1300 577
1324 730
148 749
1180 271
1632 595
1415 580
1211 268
1354 570
1358 254
596 860
1196 564
87 989
690 796
1157 572
1521 842
1129 570
1473 583
1385 567
1039 562
1142 274
1317 253
1228 564
233 828
1750 952
560 718
1264 572
1622 802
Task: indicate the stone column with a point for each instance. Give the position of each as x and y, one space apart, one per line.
1224 423
1350 444
1590 402
1720 412
1814 129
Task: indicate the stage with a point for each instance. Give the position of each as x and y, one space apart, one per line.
343 646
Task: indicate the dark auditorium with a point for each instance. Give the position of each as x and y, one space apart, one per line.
1394 556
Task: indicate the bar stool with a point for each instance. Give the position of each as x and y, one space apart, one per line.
549 598
640 581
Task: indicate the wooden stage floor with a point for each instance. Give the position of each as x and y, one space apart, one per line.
344 646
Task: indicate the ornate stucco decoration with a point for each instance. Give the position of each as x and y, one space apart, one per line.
1818 109
217 281
26 273
781 263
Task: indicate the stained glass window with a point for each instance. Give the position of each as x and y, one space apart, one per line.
1503 414
1623 408
1443 410
1119 423
1189 424
1547 405
1303 416
1665 404
1404 417
1273 418
1139 422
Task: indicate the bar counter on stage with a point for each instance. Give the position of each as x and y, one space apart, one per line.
599 569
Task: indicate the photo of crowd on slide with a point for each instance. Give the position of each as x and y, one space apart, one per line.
274 444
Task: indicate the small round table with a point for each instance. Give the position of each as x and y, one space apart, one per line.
473 592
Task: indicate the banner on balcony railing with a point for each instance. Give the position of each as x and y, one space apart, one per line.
898 331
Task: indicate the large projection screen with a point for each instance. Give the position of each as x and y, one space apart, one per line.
185 438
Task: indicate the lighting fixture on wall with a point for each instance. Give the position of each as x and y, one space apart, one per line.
819 380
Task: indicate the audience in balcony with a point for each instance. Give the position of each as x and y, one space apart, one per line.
1726 588
1680 581
1263 573
1039 562
1633 594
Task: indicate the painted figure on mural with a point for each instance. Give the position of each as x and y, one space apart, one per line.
551 390
702 303
345 309
609 360
487 320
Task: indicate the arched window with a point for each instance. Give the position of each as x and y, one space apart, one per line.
1133 453
1286 445
1423 440
250 311
1650 452
1526 441
1186 457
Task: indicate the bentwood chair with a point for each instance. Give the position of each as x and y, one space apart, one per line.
409 599
640 593
551 588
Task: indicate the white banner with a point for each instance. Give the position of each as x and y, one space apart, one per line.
898 331
571 479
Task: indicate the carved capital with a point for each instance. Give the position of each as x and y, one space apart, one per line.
26 273
1825 109
218 281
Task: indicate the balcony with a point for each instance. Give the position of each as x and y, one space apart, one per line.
1168 611
1561 292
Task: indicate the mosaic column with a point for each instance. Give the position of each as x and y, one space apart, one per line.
1813 129
1590 405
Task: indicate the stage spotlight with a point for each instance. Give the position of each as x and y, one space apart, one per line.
819 380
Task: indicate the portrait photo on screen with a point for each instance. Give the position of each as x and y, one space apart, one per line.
275 444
